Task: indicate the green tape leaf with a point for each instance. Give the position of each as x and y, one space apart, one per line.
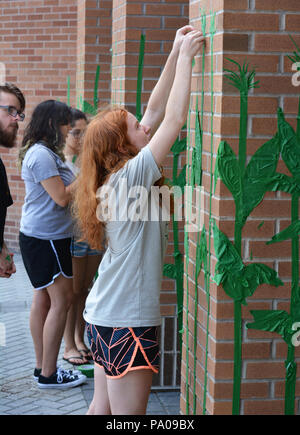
290 146
169 271
239 281
201 253
291 231
278 321
181 179
88 108
258 173
284 183
227 168
179 146
258 273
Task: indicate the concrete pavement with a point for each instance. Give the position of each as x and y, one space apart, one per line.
19 394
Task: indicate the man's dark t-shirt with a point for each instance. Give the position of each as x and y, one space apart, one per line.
5 200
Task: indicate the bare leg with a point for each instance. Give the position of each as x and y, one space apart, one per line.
38 314
129 394
60 293
100 402
69 333
83 277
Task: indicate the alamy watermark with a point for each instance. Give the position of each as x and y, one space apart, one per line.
2 73
118 203
2 334
296 75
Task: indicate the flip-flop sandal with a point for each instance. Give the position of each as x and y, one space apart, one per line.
80 358
86 354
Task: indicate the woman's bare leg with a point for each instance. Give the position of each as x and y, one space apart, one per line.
84 273
60 293
129 394
39 310
100 403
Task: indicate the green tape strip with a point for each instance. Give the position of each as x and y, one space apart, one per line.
140 79
208 274
186 247
96 86
69 91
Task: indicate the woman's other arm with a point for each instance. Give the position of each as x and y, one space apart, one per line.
56 189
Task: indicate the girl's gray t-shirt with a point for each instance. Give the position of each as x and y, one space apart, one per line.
41 216
127 290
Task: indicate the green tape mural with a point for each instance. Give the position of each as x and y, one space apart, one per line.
248 183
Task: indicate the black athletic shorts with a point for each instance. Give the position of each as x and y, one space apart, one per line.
44 260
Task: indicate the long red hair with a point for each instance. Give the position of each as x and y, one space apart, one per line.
106 149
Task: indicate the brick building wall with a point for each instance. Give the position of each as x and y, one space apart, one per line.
43 42
38 45
255 31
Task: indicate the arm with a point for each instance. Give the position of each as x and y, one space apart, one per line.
157 102
178 102
56 189
7 265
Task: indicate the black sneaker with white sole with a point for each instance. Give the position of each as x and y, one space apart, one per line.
37 372
61 379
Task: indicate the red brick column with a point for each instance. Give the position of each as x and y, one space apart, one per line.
258 33
38 48
93 49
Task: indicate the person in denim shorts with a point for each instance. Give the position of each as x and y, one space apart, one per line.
85 261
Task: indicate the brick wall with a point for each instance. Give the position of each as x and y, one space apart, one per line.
94 49
38 41
42 42
258 32
72 38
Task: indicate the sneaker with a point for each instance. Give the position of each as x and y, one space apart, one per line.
37 373
61 379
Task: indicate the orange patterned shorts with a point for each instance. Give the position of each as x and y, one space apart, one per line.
119 350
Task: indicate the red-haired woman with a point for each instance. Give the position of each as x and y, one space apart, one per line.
123 308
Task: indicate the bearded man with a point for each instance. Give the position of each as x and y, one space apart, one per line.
12 105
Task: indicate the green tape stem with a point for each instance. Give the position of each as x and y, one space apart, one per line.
114 74
198 177
69 90
208 274
298 122
140 78
177 256
290 365
96 87
186 247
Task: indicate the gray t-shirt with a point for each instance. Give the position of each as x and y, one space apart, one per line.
127 290
41 216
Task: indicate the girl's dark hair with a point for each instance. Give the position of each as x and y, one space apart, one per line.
77 114
44 126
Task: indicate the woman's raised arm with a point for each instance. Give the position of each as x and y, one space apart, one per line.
178 101
158 99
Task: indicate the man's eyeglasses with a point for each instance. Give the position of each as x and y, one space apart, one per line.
12 111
